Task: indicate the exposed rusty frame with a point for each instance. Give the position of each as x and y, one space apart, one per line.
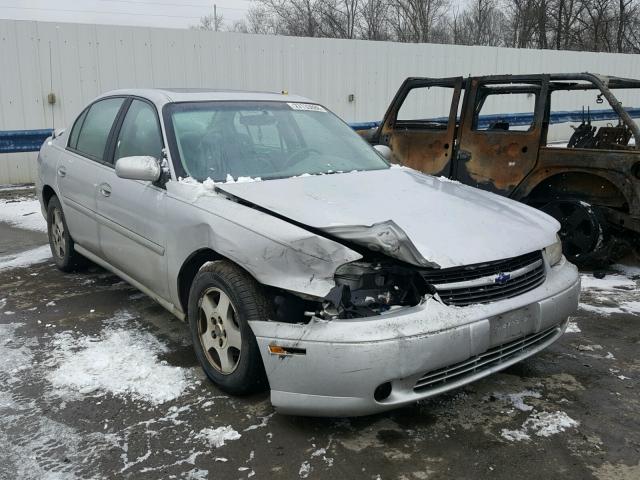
600 82
426 148
480 157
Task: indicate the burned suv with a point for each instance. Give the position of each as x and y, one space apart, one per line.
508 134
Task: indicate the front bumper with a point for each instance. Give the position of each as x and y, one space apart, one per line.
422 351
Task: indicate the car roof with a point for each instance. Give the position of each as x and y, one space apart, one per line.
162 96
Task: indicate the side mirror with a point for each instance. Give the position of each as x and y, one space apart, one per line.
139 168
57 132
384 151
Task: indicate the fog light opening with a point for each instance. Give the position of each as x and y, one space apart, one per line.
382 391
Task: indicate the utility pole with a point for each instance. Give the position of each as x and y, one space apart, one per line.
215 17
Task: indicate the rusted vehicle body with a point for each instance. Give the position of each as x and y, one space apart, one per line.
497 133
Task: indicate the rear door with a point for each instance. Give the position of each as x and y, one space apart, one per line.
500 132
420 124
81 167
132 227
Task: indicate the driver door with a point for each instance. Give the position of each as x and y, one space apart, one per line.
420 125
132 221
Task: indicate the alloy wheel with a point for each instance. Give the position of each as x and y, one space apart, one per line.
219 330
57 234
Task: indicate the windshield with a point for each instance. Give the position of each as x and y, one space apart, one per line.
263 139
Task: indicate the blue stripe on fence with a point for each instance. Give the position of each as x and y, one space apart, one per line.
523 119
12 141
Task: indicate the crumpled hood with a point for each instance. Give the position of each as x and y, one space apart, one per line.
436 222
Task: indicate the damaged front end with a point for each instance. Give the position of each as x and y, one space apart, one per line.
366 289
387 276
385 237
363 288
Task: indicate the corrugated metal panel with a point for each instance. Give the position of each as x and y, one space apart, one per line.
79 61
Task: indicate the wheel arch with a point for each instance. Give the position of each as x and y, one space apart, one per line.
591 187
47 193
188 272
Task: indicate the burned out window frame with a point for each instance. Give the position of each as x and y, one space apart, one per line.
485 91
428 124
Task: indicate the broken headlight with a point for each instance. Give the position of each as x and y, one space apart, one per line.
554 252
369 288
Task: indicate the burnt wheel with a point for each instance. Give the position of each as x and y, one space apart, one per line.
581 229
222 301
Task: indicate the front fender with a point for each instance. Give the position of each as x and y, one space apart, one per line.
274 251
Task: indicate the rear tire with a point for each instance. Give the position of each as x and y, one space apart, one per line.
587 238
60 241
222 301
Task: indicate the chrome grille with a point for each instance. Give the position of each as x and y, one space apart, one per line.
489 281
492 357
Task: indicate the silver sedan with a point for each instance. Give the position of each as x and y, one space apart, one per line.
301 258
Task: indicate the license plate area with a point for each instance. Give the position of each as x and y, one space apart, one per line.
514 324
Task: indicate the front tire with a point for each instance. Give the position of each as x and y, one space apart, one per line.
60 241
222 301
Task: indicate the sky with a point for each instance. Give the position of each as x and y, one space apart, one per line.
152 13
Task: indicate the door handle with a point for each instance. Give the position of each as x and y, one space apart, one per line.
105 190
62 171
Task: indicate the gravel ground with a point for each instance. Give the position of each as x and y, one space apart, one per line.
97 381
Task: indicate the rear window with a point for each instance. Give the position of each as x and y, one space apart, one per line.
510 112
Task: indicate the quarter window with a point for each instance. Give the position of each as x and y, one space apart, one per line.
75 132
140 132
95 129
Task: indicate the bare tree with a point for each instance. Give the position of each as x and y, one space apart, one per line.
338 18
521 22
418 20
295 17
374 20
598 25
483 24
210 22
261 20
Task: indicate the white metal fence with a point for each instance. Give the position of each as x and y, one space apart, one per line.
78 62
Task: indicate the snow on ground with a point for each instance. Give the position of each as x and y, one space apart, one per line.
26 258
613 294
218 436
517 399
14 357
30 439
13 186
541 424
572 327
121 360
632 307
628 270
610 282
23 213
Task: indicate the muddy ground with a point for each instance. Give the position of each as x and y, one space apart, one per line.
572 412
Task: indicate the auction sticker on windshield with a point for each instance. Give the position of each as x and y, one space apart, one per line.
307 106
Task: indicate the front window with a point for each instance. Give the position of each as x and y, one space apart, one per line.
268 140
140 132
